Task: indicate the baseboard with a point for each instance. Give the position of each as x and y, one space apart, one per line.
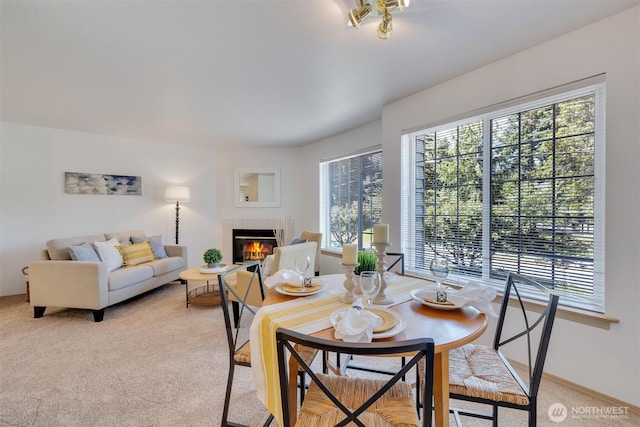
633 409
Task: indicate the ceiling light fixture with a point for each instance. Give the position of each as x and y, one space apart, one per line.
357 14
365 8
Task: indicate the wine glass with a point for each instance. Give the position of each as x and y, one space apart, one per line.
302 267
440 269
370 286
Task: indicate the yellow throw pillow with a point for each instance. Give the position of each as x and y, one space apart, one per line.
135 254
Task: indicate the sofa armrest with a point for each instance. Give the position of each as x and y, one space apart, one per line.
76 284
176 250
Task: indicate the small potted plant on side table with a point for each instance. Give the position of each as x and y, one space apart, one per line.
213 257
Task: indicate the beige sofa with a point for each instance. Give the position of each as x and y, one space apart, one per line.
59 281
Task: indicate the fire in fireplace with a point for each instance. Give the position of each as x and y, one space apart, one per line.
256 251
252 244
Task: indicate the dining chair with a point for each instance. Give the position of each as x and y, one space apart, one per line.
242 287
311 236
398 261
341 400
483 374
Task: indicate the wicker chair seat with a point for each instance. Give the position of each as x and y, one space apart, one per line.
478 371
243 354
395 408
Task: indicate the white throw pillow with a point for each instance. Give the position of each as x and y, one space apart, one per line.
109 253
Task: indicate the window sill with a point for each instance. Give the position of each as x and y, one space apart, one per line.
568 313
336 253
572 314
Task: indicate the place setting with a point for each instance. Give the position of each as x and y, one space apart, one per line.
295 283
443 297
363 322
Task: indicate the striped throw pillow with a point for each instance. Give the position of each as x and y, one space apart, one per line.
135 254
83 252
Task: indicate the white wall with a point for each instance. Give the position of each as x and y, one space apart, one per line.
294 192
352 141
34 207
605 360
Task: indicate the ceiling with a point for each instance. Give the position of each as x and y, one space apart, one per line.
251 73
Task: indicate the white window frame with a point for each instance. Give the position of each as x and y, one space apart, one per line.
594 85
325 203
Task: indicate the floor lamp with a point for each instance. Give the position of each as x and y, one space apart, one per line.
177 194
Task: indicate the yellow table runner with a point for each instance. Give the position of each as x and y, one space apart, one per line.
306 315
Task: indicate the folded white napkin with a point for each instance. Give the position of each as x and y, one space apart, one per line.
356 324
289 277
471 294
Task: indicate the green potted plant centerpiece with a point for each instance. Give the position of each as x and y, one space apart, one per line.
367 261
213 257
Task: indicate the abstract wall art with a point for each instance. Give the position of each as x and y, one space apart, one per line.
97 183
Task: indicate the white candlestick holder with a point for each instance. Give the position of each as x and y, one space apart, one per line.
382 298
349 283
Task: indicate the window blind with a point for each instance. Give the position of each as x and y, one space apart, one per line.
518 188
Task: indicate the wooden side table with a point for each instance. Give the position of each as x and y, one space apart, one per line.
208 294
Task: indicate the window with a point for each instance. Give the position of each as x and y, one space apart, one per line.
519 188
351 199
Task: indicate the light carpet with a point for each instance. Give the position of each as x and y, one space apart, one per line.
152 362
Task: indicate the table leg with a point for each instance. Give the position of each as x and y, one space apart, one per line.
186 290
441 389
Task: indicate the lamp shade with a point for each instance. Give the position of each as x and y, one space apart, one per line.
176 193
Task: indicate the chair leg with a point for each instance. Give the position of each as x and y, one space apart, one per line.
302 378
495 416
418 399
236 312
227 396
533 411
269 420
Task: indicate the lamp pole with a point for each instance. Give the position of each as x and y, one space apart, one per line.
177 219
177 194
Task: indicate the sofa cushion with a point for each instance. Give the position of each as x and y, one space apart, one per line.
166 265
83 252
156 245
123 277
58 249
124 237
109 253
137 253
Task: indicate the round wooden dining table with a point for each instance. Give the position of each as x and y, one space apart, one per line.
448 328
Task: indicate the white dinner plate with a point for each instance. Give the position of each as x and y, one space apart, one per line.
295 291
432 303
399 326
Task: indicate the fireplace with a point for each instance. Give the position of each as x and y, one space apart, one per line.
252 244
